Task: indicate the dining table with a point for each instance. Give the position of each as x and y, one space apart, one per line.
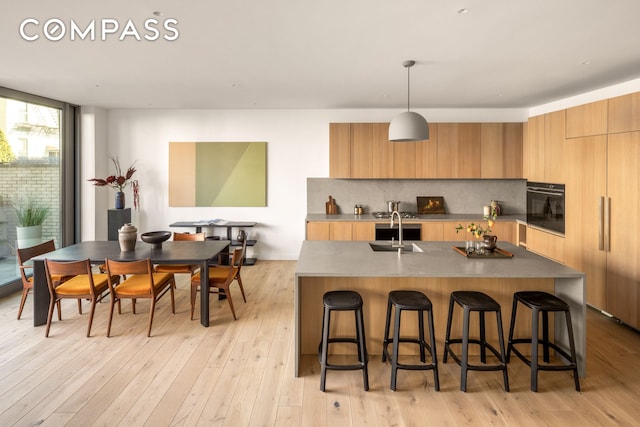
181 252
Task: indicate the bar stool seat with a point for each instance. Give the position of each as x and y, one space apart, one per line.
412 301
542 302
342 301
482 303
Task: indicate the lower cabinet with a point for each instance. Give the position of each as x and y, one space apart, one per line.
546 244
436 231
340 230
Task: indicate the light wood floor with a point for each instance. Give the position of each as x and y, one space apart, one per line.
238 373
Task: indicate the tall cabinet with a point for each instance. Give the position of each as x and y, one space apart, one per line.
602 202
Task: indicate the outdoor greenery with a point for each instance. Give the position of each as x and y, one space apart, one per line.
31 213
6 154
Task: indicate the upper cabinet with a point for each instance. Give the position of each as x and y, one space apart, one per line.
624 113
454 150
543 151
587 119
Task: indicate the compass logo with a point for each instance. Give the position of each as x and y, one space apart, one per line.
54 29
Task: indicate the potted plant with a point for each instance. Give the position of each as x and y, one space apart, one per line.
30 216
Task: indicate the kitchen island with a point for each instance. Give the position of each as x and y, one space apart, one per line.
436 269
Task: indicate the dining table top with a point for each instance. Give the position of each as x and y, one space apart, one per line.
171 252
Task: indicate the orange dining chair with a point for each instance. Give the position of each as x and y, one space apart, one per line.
80 284
141 282
24 255
220 279
181 268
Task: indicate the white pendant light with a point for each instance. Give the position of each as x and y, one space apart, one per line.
408 126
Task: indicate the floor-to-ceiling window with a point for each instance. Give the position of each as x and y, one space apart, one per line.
37 166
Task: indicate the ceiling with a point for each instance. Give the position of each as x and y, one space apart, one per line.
255 54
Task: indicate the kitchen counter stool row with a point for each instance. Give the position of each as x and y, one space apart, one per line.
540 303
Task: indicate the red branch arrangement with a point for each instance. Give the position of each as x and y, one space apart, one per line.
120 181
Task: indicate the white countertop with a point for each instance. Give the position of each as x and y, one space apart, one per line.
419 218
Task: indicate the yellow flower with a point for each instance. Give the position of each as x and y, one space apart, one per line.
477 230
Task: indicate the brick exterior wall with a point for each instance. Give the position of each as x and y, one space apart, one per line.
40 182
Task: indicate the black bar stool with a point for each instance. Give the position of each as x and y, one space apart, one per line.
414 301
480 302
542 302
342 301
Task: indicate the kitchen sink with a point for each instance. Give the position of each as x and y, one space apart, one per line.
386 247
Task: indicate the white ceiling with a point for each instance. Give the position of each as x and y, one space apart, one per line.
325 54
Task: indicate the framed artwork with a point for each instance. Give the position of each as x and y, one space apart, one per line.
431 205
217 174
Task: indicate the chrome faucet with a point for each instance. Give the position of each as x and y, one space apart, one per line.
399 245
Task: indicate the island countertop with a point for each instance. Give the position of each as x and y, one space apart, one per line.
436 271
438 259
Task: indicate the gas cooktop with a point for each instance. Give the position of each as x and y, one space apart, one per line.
388 215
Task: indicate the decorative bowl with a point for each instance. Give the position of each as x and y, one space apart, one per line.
155 238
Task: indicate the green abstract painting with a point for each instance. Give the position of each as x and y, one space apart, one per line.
217 174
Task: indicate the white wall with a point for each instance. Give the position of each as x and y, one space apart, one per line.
297 148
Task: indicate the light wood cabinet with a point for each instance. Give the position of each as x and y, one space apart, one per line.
624 113
587 119
546 244
623 257
459 150
543 153
340 150
501 150
455 150
426 158
586 187
340 230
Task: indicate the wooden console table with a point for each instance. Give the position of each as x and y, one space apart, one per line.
229 225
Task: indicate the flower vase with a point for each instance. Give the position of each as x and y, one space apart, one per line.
119 200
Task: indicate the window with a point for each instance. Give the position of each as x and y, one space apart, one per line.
37 137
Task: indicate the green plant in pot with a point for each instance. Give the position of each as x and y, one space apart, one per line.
30 216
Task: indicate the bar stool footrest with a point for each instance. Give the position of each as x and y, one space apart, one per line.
491 348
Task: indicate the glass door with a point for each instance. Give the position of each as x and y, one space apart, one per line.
30 179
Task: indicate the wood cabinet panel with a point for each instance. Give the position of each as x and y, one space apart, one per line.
459 150
585 186
554 147
533 162
364 231
340 150
427 154
382 151
546 244
587 119
432 231
317 230
340 231
624 113
501 150
361 150
623 259
404 159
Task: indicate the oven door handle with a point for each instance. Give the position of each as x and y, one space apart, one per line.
550 193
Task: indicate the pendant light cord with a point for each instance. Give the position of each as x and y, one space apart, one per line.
408 86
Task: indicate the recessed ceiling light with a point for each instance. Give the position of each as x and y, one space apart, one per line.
587 62
157 13
462 11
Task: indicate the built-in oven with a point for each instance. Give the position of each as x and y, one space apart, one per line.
545 206
409 232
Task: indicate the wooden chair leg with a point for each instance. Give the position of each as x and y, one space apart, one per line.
151 310
173 301
228 295
59 310
112 303
133 305
79 306
241 288
52 303
91 313
23 299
